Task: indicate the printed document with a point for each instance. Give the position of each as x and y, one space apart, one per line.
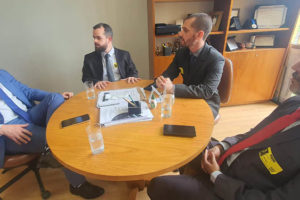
113 115
115 97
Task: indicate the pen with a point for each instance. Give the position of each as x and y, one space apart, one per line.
143 93
129 102
131 99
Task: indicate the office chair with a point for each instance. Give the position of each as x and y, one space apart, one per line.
31 160
226 83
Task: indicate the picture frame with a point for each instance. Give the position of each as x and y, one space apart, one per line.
231 44
235 12
216 20
235 24
235 19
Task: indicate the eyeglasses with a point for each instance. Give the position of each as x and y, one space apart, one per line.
296 76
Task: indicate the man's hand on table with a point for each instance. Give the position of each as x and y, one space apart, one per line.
162 83
132 80
101 84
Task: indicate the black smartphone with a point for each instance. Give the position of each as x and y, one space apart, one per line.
75 120
179 130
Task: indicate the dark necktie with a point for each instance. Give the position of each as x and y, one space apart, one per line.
266 132
14 107
110 74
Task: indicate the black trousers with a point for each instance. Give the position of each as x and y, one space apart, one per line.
184 187
181 187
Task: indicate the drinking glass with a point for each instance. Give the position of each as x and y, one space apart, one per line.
89 88
95 138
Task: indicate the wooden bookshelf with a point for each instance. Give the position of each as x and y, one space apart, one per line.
256 71
166 36
243 31
176 35
179 0
251 50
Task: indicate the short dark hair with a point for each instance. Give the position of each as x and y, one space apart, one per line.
107 29
202 22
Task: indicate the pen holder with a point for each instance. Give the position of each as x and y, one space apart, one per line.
167 51
134 110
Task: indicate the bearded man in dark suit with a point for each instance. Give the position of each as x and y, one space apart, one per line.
107 64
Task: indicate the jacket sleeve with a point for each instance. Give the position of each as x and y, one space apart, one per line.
232 189
131 69
87 74
209 86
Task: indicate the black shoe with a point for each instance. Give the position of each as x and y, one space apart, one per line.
87 190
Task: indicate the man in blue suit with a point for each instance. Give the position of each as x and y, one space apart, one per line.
23 126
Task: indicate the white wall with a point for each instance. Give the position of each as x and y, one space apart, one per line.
43 42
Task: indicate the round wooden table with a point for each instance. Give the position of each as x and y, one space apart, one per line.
133 151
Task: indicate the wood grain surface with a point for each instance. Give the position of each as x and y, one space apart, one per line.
133 151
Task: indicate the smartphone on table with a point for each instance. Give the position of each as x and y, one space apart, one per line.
179 130
75 120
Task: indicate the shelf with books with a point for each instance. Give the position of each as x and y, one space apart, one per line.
252 50
179 0
243 31
260 60
166 36
176 35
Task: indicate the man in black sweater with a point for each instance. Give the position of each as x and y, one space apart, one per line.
200 64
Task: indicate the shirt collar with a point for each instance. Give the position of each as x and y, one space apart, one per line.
197 53
111 52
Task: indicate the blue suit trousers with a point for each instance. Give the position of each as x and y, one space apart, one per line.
40 115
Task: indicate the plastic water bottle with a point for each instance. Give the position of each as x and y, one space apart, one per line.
153 102
95 138
166 105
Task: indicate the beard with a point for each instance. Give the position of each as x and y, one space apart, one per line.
295 87
182 42
188 42
100 48
295 90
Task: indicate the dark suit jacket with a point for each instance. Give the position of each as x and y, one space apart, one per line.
248 178
93 68
200 81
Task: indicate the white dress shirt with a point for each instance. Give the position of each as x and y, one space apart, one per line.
113 60
7 113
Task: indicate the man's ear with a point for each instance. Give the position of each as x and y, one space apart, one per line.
296 67
200 35
109 38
